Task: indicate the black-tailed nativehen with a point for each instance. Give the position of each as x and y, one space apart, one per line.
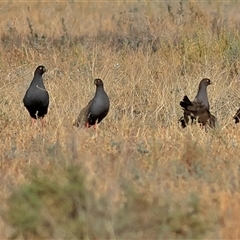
96 110
36 99
199 107
198 111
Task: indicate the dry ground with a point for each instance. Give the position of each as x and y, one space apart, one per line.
149 55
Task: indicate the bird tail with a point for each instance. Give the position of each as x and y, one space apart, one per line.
185 103
237 116
81 120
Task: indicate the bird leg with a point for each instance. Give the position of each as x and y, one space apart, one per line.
182 121
185 117
34 127
203 126
34 121
43 124
95 126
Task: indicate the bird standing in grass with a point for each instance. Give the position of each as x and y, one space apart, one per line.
96 110
36 99
199 108
199 111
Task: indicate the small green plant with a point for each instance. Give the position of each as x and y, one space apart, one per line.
50 207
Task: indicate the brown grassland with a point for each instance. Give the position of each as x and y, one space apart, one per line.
140 176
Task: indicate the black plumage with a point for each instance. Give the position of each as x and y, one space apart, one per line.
97 109
200 106
36 99
236 117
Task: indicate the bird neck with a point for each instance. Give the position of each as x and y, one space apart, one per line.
99 91
202 89
37 74
37 80
99 88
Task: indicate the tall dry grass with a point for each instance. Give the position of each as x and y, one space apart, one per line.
158 181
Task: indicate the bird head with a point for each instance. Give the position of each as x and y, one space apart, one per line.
98 82
206 81
40 70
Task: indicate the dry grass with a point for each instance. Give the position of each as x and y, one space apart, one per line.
149 55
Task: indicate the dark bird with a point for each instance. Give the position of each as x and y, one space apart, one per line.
236 117
198 111
36 99
96 110
202 96
198 108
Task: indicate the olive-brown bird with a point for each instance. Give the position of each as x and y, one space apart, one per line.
199 111
96 110
202 99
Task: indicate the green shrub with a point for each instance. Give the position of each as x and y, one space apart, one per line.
50 206
60 206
